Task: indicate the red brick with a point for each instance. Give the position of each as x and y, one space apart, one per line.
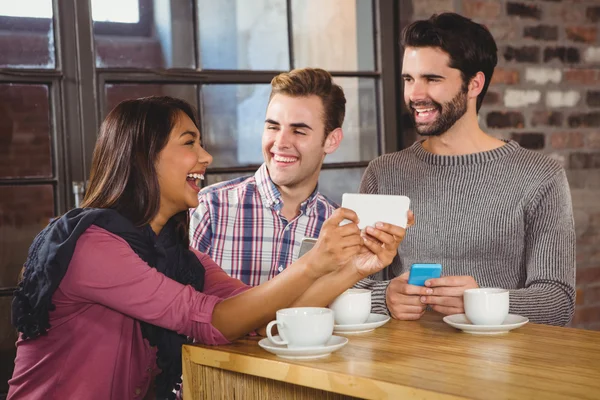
582 76
592 295
480 9
579 296
567 140
586 314
587 276
530 54
593 98
593 14
592 326
522 10
503 30
585 160
591 119
533 141
541 32
505 76
427 7
595 220
565 12
491 98
593 139
545 118
510 119
582 34
562 53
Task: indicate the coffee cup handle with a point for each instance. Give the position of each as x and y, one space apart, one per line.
270 335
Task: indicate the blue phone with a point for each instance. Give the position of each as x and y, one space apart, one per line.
419 273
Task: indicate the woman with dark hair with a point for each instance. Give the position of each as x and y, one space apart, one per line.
112 290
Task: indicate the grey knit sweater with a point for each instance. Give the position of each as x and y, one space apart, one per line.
502 216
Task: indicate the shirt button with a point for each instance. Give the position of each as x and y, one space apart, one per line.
138 391
280 268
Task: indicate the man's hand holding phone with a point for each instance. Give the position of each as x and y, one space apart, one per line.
404 300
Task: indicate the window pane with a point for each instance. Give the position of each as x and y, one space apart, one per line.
25 149
242 34
162 38
24 212
8 337
360 141
335 182
127 11
232 123
336 34
117 93
26 34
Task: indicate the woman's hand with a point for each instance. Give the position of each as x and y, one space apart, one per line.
336 244
380 246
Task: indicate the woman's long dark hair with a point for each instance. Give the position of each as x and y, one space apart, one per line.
123 175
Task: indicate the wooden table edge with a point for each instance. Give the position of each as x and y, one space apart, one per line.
349 385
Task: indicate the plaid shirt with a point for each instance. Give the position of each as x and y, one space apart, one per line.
238 223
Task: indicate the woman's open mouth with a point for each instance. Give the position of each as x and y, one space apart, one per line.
194 180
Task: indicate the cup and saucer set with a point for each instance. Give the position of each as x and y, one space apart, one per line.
352 312
306 333
486 313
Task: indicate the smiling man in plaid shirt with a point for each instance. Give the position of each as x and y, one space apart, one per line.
253 226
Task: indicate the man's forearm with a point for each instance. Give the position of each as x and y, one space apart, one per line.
551 305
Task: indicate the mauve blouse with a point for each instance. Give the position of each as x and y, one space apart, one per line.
94 348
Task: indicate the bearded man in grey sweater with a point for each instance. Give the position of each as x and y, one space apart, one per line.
492 213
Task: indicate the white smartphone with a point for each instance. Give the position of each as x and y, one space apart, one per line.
373 208
306 245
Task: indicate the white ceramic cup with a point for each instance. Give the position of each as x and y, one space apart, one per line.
352 307
302 327
486 306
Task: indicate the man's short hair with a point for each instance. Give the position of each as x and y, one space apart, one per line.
314 81
470 45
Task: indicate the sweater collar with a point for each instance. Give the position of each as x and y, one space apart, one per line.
465 159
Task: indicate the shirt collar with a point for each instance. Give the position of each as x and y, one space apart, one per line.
270 195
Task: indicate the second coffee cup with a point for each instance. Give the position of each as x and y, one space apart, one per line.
302 327
352 307
486 306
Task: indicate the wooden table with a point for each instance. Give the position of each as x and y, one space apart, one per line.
424 359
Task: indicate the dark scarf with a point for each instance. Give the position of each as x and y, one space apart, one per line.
50 255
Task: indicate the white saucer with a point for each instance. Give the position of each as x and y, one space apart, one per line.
374 321
460 321
304 353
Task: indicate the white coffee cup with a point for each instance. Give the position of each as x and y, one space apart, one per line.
352 307
302 326
486 306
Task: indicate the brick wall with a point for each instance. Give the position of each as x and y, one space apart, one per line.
545 94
